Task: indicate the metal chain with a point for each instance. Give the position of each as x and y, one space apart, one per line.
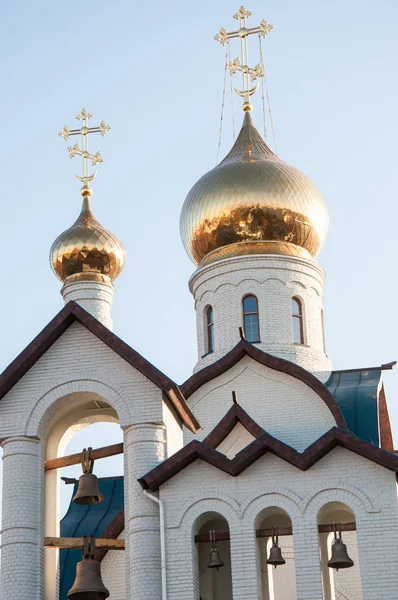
222 104
232 96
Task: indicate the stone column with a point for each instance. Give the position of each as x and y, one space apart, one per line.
245 563
94 292
22 520
144 448
307 558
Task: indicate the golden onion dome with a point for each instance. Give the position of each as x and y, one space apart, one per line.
87 247
253 203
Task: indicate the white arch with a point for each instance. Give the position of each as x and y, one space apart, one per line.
279 497
45 407
192 510
338 492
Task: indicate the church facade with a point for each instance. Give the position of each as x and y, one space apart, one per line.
263 452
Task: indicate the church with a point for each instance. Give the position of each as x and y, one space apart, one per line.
266 475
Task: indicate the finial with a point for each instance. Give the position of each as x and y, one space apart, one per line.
249 74
234 398
75 150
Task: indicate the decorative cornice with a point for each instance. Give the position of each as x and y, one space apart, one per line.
244 348
71 313
266 443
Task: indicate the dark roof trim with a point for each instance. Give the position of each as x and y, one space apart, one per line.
386 439
244 348
60 323
266 443
235 415
385 367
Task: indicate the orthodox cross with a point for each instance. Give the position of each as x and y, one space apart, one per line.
75 150
242 64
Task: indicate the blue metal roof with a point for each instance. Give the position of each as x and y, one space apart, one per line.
356 393
87 520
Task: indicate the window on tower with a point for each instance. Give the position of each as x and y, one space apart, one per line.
297 316
250 319
209 329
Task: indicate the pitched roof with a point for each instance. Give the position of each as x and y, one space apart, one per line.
263 444
244 348
235 415
60 323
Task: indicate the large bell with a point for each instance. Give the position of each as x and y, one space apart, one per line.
88 490
275 554
88 584
339 558
215 561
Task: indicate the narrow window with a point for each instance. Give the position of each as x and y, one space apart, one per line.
250 319
323 331
297 316
210 329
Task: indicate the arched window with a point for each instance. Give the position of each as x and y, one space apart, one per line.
209 330
250 319
297 316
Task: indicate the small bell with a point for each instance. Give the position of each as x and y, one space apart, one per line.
215 561
88 490
340 558
88 584
275 555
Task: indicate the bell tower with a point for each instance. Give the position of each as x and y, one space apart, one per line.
254 226
87 258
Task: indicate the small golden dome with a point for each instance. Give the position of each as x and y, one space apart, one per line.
253 203
87 248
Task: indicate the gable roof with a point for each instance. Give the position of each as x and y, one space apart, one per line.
256 449
71 313
235 415
244 348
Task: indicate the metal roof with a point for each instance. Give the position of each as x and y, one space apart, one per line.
356 393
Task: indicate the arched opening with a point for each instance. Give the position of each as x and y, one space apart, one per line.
251 323
345 583
213 583
80 420
277 583
297 320
209 330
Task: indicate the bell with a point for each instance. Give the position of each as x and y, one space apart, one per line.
340 558
215 561
88 584
88 490
275 555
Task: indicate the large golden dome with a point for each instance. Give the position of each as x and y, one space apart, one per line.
87 248
253 203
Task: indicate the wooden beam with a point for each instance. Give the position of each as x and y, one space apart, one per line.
75 459
261 533
66 542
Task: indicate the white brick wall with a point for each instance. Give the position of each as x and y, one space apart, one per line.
113 573
284 406
367 489
94 296
274 280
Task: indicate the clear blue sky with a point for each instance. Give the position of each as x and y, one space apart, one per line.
155 74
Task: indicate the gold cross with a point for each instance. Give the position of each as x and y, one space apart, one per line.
242 64
75 150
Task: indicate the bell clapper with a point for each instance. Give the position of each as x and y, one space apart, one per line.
275 555
339 558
